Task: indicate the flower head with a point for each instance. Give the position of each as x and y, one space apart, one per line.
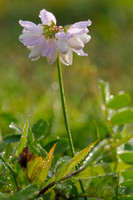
47 39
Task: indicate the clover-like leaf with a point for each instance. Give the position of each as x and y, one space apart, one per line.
12 138
39 128
127 157
119 101
122 117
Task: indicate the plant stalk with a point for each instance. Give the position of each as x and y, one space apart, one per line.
63 100
64 106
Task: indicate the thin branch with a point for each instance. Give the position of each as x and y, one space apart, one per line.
63 179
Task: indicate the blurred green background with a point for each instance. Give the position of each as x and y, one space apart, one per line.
28 87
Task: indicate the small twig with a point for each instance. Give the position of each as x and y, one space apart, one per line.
72 174
63 179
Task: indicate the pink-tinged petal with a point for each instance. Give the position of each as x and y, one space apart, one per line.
67 58
80 52
53 58
76 43
31 38
63 46
33 41
47 17
35 53
27 25
49 48
62 35
85 38
77 31
44 48
82 24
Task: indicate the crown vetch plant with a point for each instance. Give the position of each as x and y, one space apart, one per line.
29 165
47 39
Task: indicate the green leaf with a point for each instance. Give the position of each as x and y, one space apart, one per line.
119 101
127 157
37 168
33 167
66 168
104 90
23 138
39 128
30 192
62 145
101 187
30 136
37 149
128 174
114 145
60 162
127 183
124 197
101 170
95 153
11 138
122 117
10 169
43 172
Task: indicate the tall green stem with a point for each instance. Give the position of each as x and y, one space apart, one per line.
64 107
65 114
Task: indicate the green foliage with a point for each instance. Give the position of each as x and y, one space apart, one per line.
11 138
127 157
39 128
61 146
67 167
122 117
102 187
119 101
43 172
128 174
102 170
116 125
23 138
126 197
29 192
38 165
27 87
